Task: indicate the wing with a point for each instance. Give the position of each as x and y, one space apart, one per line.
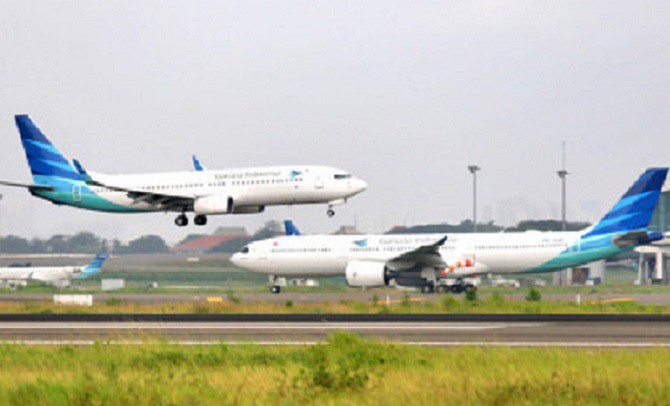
37 188
158 200
426 255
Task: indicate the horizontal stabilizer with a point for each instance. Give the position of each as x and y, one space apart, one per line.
37 188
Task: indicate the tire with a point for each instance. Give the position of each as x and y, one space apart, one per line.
275 289
456 289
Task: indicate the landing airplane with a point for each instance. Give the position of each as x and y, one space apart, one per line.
203 192
52 273
430 261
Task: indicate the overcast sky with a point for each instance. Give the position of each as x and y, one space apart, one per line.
402 94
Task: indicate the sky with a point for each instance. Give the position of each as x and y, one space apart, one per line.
404 94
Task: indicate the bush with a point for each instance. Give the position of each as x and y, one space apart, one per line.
471 295
533 295
115 301
289 303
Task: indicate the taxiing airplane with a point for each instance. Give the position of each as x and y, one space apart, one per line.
431 261
203 192
52 273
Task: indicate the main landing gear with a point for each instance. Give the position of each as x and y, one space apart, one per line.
182 220
274 288
200 220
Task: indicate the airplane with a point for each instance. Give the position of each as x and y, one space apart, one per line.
442 262
53 273
203 192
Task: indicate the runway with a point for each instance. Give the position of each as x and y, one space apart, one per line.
539 332
314 298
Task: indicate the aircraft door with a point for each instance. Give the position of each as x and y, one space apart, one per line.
318 182
76 193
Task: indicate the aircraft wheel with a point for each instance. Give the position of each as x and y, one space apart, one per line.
275 289
200 220
181 220
330 212
427 289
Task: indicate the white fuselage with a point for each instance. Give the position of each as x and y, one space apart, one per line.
247 187
304 256
44 274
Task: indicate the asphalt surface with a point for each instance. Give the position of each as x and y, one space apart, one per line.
537 331
162 298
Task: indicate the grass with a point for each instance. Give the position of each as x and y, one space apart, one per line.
231 303
345 370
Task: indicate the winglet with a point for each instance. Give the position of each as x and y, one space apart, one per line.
441 241
82 172
197 165
291 229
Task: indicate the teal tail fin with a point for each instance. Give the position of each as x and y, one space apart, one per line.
45 160
634 210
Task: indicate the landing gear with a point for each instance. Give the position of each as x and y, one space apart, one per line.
428 288
200 220
181 220
275 289
330 212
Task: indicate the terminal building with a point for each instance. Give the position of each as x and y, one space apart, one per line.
653 259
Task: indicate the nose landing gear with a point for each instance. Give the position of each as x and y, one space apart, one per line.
330 212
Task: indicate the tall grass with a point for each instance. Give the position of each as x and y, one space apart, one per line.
346 370
494 303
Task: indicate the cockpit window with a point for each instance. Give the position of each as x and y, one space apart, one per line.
343 176
244 250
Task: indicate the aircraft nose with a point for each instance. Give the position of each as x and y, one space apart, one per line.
235 259
360 186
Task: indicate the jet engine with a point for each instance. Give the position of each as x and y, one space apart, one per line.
213 205
248 209
367 274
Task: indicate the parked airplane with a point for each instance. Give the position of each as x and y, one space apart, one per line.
204 192
432 261
53 273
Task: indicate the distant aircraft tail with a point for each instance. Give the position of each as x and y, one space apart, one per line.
291 229
45 160
634 210
94 267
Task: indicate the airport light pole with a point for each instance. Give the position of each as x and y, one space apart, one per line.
563 174
0 229
473 170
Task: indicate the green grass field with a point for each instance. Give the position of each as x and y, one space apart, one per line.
375 304
346 370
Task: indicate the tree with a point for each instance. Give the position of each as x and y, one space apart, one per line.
15 245
148 244
84 242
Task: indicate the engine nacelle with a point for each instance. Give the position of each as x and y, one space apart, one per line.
248 209
366 274
213 205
